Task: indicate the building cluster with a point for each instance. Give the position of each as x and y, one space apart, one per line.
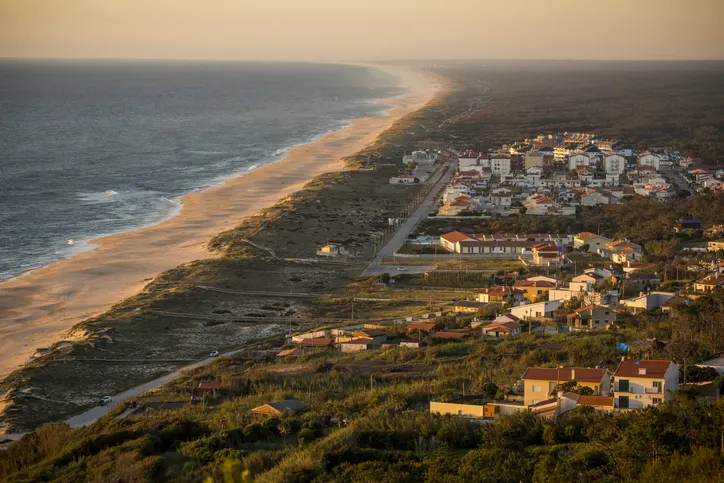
364 337
700 180
551 392
552 174
536 249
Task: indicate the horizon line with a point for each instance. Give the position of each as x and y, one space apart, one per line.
372 61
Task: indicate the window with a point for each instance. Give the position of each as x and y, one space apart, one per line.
623 385
657 385
535 389
623 402
656 400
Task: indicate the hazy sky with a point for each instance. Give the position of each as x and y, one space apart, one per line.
363 29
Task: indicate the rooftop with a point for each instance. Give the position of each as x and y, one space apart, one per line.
634 368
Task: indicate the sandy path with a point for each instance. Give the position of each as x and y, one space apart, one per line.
37 309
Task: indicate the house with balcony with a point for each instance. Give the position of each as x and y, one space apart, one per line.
638 384
547 253
540 382
709 282
594 242
591 317
539 310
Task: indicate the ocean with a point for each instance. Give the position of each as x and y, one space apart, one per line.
90 148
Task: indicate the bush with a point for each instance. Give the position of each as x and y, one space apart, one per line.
307 435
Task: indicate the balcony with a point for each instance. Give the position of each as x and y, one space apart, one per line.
653 390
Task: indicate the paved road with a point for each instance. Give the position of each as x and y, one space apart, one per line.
92 415
398 238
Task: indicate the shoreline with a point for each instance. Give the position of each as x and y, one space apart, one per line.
89 244
39 307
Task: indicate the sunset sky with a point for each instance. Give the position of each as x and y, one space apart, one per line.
363 29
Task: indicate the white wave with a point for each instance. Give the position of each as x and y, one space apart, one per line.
102 197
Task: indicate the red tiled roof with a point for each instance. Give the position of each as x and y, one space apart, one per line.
502 326
318 342
582 374
631 368
596 401
509 316
421 326
360 341
586 235
545 246
454 236
538 405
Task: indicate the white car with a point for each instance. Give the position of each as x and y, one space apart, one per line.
214 353
401 269
105 400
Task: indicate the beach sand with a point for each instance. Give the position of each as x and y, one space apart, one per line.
39 308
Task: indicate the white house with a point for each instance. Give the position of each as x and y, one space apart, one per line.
537 310
404 179
454 190
501 197
644 383
467 158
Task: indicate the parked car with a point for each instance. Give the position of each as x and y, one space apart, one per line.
401 269
105 400
214 353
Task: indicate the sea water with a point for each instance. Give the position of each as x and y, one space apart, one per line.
90 148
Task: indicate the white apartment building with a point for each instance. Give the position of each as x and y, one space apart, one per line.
500 165
652 160
614 164
576 160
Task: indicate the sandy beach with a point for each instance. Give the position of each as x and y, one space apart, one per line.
39 308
